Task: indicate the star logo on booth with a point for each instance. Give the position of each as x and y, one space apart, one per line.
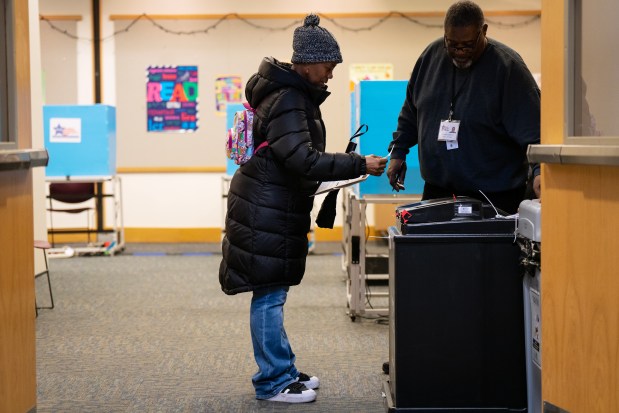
58 130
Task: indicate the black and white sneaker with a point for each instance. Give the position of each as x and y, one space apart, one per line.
309 382
295 392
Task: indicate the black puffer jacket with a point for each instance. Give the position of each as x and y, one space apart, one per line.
269 201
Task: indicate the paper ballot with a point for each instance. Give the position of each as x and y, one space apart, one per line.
333 185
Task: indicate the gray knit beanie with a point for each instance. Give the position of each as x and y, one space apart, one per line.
314 44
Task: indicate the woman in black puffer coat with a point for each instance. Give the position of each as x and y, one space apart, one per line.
269 201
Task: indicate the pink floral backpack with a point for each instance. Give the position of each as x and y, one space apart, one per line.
240 141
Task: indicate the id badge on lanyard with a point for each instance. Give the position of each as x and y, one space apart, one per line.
448 132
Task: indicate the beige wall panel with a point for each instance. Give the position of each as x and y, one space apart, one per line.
59 62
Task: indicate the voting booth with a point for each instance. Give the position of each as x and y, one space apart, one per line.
377 104
81 142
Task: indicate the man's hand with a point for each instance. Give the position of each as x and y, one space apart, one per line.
537 186
396 173
375 165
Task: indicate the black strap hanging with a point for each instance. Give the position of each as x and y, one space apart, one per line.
353 145
326 215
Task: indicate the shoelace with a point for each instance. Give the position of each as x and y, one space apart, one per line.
295 387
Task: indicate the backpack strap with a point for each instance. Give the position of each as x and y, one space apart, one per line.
262 145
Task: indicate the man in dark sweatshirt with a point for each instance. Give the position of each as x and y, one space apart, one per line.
472 108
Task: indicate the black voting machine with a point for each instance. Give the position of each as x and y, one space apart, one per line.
456 310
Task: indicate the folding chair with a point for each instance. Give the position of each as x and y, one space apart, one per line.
44 246
71 193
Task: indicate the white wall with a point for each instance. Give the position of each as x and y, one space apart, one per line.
193 200
188 200
38 174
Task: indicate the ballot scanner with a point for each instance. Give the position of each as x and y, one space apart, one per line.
459 214
456 324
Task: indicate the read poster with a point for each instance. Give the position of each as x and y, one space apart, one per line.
172 98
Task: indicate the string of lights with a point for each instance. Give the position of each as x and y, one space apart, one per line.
381 21
513 25
236 16
61 31
205 30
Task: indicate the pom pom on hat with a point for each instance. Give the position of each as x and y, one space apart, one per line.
314 44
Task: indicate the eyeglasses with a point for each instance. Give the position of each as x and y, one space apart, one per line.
467 48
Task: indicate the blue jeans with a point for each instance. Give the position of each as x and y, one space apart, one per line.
272 351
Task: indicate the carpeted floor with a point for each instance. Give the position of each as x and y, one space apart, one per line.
150 331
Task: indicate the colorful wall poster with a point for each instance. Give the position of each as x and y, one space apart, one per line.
228 89
65 130
172 98
369 71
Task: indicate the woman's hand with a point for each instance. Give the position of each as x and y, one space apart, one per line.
375 165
